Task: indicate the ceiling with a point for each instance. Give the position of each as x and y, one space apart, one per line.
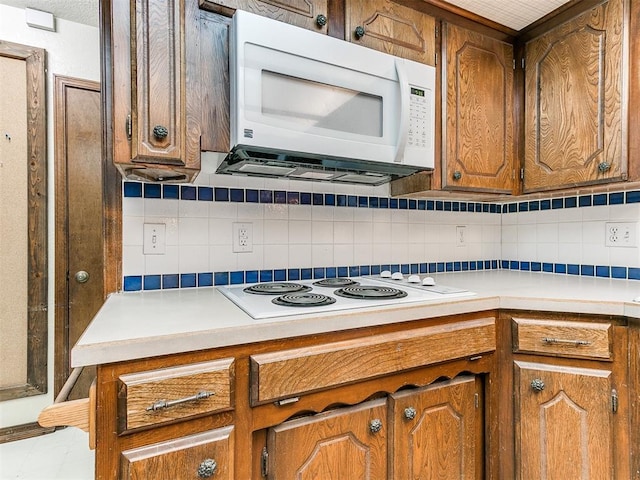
515 14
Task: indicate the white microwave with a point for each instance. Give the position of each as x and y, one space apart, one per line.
312 107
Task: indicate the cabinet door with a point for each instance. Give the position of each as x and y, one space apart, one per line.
391 28
156 108
204 455
348 443
565 422
437 431
478 124
573 105
310 14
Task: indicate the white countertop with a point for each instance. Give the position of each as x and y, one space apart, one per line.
132 325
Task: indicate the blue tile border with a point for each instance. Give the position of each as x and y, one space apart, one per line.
134 283
587 270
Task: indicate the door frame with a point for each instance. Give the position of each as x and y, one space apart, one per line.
37 278
111 227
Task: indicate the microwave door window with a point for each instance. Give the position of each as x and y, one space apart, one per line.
314 105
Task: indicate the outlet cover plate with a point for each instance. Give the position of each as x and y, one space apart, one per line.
621 234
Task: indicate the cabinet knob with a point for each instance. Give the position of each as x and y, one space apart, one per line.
82 276
321 20
160 132
604 167
457 175
409 413
359 32
207 468
375 425
537 385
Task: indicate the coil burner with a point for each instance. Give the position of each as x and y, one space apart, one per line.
335 282
303 300
276 288
366 292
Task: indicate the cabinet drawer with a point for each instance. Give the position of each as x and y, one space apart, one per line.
292 372
563 338
204 455
175 393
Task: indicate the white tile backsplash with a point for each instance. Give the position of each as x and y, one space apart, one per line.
199 233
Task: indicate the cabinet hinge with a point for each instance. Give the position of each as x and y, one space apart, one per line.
265 462
476 399
437 31
614 401
436 59
522 62
522 174
514 63
129 127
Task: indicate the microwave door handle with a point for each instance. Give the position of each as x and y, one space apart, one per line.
404 110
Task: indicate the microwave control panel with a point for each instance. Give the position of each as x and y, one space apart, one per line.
418 135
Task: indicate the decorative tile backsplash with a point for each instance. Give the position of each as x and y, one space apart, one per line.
345 230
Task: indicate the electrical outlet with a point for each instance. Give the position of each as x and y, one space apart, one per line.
621 234
154 238
243 237
461 236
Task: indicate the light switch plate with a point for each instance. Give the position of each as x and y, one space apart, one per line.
154 239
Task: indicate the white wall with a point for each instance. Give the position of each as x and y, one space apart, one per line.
72 50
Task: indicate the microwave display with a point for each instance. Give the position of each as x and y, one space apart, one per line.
417 91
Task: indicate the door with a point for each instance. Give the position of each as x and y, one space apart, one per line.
80 244
564 426
437 431
348 443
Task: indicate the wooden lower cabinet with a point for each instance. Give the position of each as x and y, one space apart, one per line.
426 433
437 431
204 455
348 443
564 422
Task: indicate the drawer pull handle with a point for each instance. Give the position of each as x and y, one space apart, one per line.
207 468
577 343
162 404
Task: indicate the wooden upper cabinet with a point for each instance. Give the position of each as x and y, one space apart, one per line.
391 28
478 119
310 14
574 119
156 111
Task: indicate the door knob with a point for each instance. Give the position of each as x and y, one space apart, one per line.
82 276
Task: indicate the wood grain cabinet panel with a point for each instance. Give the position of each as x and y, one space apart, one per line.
437 431
574 91
204 455
565 428
175 393
563 338
478 118
391 28
309 14
292 372
156 111
348 443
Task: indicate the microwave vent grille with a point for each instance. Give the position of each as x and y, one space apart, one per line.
248 133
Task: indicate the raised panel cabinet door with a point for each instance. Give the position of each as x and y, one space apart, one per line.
348 443
310 14
574 90
564 425
437 431
204 455
478 120
391 28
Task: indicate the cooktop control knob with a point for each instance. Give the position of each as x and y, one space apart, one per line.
397 276
385 274
413 279
428 281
